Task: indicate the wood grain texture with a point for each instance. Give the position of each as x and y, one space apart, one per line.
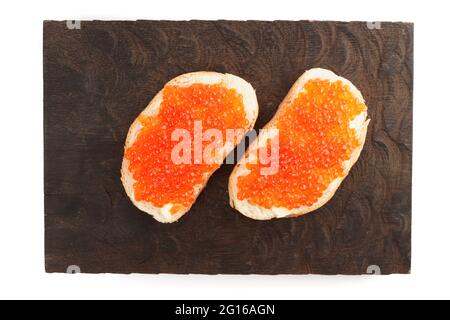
98 79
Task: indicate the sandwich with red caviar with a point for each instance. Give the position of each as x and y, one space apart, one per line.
321 128
164 167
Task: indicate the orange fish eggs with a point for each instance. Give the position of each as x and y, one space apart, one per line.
157 178
315 139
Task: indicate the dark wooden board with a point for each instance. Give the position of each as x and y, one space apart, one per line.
98 78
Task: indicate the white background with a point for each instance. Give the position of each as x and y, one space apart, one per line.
21 113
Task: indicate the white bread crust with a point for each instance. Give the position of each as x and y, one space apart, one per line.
360 124
163 214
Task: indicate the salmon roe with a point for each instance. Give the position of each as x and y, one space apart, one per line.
314 140
158 179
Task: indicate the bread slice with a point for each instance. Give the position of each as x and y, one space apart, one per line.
261 213
164 214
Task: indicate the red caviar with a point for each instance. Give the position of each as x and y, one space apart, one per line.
314 140
158 179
